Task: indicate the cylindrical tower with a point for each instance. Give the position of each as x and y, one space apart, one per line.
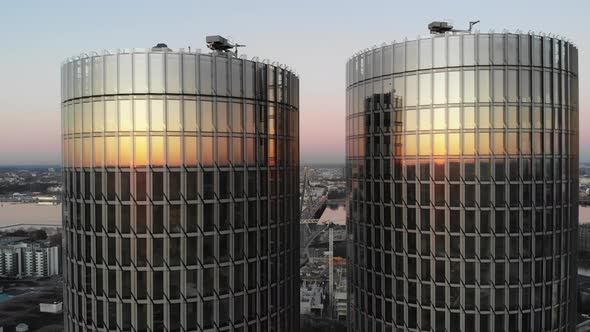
462 165
181 192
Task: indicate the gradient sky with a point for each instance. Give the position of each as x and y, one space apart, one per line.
313 37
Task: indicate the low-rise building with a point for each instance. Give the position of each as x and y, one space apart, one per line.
25 258
53 308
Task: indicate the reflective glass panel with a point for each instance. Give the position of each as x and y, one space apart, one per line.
190 115
206 122
425 89
469 86
454 118
454 87
157 115
140 112
411 89
125 115
468 50
110 115
484 86
425 122
440 90
469 117
174 119
440 119
440 51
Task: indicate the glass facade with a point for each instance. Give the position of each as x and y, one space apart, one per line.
181 203
462 166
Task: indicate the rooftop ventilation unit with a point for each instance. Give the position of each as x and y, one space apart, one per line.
161 47
221 45
440 27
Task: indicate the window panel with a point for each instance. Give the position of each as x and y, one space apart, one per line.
425 145
469 86
440 51
110 64
525 116
454 51
468 50
140 73
483 50
512 50
221 76
205 74
524 50
156 72
125 70
468 143
173 74
157 151
157 115
125 151
469 117
141 151
498 86
498 117
411 55
484 117
425 121
190 115
98 150
440 146
222 117
111 151
410 143
206 123
207 151
189 71
191 151
484 143
454 87
140 112
512 143
411 89
440 90
425 89
125 115
498 50
440 119
454 144
498 143
86 117
484 86
411 120
174 118
399 58
537 81
425 53
454 118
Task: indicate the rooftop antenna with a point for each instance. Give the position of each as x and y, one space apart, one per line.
471 24
222 45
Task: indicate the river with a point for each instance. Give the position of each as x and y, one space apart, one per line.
11 213
29 213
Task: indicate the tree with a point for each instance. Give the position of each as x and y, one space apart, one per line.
38 235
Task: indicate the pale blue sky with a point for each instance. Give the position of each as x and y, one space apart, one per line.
313 37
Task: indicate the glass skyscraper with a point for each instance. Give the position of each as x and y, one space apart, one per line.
462 165
181 203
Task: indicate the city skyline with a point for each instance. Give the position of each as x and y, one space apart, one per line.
315 38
